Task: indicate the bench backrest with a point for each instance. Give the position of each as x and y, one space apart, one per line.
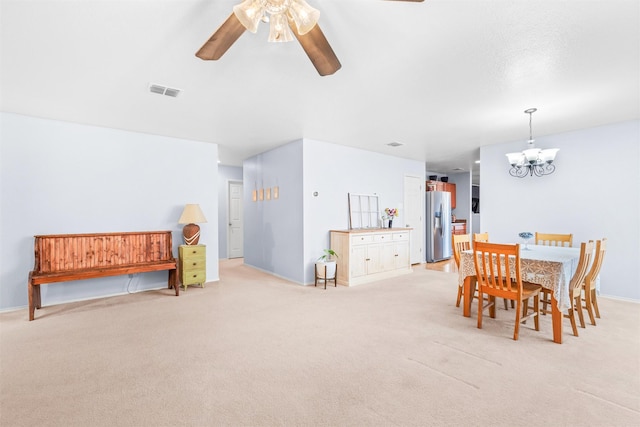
68 252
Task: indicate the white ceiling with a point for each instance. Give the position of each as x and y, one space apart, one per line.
441 77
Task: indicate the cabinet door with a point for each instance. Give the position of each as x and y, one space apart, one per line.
401 255
374 257
388 259
435 186
451 188
358 262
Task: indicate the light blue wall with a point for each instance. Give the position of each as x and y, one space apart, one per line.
226 174
462 180
274 228
59 177
594 193
286 236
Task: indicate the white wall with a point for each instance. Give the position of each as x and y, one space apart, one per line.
333 171
59 177
226 174
594 193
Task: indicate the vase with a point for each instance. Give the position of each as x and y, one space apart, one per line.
390 223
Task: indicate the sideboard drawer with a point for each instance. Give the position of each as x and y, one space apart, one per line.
361 239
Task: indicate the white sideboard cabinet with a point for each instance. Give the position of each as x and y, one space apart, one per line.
369 255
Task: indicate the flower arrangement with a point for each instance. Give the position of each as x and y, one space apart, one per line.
391 212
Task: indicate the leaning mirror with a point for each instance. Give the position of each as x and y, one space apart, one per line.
364 211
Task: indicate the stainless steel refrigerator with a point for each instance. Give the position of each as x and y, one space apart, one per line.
438 223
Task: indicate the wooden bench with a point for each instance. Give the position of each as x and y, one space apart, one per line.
66 257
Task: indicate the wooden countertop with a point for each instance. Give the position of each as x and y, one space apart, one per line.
371 230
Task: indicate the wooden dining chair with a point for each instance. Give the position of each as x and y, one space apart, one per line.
589 284
459 243
548 239
480 237
494 276
484 237
575 287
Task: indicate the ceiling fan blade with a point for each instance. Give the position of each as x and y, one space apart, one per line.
318 50
222 39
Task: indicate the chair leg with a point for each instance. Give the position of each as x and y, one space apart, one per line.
572 318
459 296
492 306
480 301
594 302
588 303
578 305
536 308
506 306
516 329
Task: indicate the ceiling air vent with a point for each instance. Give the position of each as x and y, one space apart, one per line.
395 144
163 90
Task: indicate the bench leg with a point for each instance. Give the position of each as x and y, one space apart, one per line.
173 282
32 301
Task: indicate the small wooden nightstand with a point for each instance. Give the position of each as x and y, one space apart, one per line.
193 265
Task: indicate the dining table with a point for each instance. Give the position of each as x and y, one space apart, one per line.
549 266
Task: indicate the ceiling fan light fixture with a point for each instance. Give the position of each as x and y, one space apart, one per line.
249 13
279 30
305 16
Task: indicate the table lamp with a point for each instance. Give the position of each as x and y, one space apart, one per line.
190 216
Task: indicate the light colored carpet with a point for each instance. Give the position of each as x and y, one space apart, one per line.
255 350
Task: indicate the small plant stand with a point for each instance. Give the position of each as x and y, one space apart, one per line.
324 278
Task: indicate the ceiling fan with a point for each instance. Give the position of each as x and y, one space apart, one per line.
288 19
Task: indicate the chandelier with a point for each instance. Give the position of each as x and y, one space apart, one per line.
280 15
532 161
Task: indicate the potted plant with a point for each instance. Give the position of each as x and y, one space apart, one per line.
326 261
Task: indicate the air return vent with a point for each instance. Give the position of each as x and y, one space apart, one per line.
163 90
395 144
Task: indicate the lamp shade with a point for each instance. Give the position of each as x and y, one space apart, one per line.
192 214
305 16
249 14
191 231
279 30
549 154
515 158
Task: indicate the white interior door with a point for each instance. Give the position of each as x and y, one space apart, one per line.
414 215
236 228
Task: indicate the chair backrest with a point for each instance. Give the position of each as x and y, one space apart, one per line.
594 271
493 269
480 237
549 239
460 242
586 253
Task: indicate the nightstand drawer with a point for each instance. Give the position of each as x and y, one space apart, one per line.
192 251
193 277
191 264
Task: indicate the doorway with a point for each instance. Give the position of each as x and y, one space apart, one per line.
236 228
